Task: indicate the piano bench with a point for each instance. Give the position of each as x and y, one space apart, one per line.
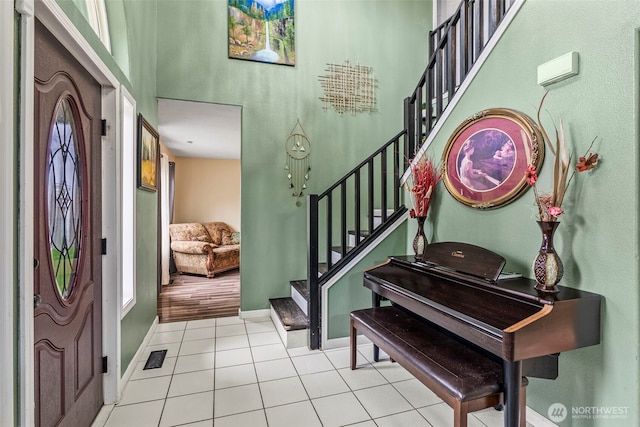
462 377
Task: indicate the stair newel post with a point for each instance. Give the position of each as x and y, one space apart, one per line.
314 306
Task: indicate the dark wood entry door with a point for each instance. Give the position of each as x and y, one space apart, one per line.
67 228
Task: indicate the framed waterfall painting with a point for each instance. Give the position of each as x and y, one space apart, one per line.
262 31
486 157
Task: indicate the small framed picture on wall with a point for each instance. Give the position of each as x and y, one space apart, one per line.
148 155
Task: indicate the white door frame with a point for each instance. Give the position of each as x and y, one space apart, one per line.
52 16
7 216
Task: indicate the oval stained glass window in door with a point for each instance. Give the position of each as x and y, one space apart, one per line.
64 189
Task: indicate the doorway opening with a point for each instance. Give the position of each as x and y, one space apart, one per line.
201 141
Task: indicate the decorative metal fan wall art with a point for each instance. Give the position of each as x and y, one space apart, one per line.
298 150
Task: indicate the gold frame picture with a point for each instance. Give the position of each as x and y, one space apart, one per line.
148 155
486 157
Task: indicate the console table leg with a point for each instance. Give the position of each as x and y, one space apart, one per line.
512 386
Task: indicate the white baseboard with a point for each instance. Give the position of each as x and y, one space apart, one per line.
344 342
252 314
134 362
103 415
105 411
337 343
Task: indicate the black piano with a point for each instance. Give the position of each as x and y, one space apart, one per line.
457 287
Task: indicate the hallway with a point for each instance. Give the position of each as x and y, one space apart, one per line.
230 372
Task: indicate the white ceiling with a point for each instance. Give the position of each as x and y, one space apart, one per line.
213 129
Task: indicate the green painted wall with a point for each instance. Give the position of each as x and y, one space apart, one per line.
390 36
141 28
82 7
78 17
349 293
142 48
598 237
119 38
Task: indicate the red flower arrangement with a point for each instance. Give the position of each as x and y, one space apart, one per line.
424 176
550 204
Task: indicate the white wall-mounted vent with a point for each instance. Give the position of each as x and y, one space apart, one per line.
558 69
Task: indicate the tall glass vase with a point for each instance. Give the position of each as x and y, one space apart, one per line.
547 265
420 241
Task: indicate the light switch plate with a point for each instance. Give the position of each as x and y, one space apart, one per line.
558 69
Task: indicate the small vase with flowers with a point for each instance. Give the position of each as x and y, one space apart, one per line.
424 177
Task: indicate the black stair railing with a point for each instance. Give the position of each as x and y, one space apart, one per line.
454 47
342 219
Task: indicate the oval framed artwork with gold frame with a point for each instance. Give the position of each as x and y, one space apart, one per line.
486 157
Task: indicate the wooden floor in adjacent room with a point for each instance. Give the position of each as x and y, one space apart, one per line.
196 297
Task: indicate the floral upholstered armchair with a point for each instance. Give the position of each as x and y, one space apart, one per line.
204 248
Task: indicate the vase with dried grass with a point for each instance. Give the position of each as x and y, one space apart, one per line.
547 266
424 177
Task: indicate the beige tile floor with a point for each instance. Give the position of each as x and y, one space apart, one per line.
230 372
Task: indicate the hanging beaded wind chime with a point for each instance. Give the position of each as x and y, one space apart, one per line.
298 149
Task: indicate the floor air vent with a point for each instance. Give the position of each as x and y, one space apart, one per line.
156 359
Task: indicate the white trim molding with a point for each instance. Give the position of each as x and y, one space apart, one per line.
25 7
97 11
25 218
7 215
111 262
125 177
137 358
254 314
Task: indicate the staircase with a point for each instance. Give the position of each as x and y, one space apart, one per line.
290 314
346 219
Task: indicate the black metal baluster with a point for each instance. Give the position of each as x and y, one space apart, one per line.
343 218
357 208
